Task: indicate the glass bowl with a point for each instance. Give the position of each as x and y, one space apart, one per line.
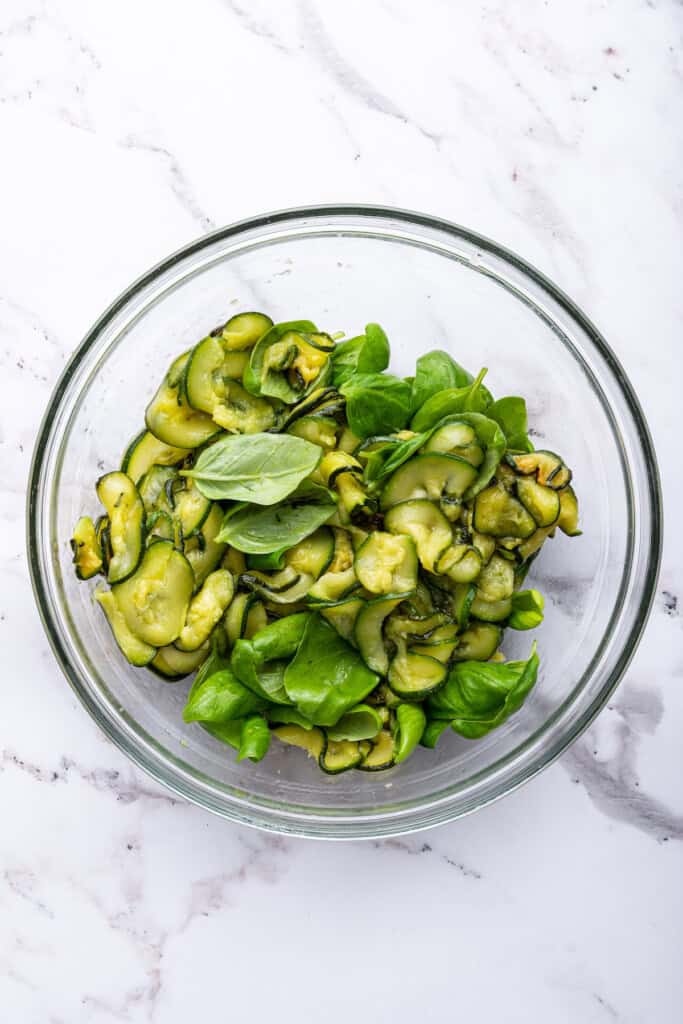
430 284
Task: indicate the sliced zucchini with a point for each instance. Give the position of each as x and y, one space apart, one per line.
257 619
457 439
568 520
239 412
87 553
387 564
479 642
331 587
340 755
135 650
313 556
126 513
206 610
535 542
161 526
343 473
146 451
430 476
202 373
440 645
380 755
203 551
415 676
426 524
282 587
368 632
243 331
313 741
542 502
461 603
492 611
169 417
311 405
187 506
318 430
348 441
496 581
234 365
154 601
344 548
236 616
401 628
484 544
547 467
499 514
152 487
285 364
235 561
343 616
171 663
461 563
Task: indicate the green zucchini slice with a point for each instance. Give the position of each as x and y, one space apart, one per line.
415 676
535 542
344 549
479 642
87 553
313 741
126 513
402 627
320 397
442 650
135 650
348 441
169 417
568 520
206 609
498 514
343 473
287 362
432 476
461 603
492 611
154 601
457 439
461 563
368 633
152 487
380 754
235 561
547 467
313 556
542 502
173 664
146 451
202 550
426 524
317 429
344 616
496 581
332 586
340 755
241 332
284 587
387 564
235 619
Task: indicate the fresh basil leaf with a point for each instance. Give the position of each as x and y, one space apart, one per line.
254 739
410 725
282 714
527 609
433 731
274 560
327 677
215 662
510 414
220 698
262 531
473 397
480 695
260 468
259 663
368 353
376 403
226 732
436 371
260 381
360 723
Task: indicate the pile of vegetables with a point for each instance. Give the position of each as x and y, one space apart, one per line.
336 550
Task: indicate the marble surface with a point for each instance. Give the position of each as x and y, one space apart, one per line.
127 130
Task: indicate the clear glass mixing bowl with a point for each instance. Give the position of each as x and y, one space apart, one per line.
431 284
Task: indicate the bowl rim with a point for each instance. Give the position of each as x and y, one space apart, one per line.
316 826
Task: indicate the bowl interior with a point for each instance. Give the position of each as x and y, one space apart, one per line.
429 288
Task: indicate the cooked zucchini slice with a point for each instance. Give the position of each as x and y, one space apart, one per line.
340 755
343 617
432 476
234 561
542 502
206 610
368 632
241 413
236 616
135 650
484 544
317 429
387 564
328 398
171 663
440 644
479 642
155 599
152 487
457 439
348 441
287 362
380 755
241 332
426 524
536 541
313 741
568 520
402 627
171 419
547 467
491 611
126 513
344 548
332 586
499 514
343 473
87 553
461 603
203 551
313 556
415 676
282 587
496 581
461 563
146 451
163 489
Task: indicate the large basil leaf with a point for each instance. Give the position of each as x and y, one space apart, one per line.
260 468
274 385
220 698
226 732
480 695
368 353
473 397
510 414
436 371
260 663
376 403
262 531
327 677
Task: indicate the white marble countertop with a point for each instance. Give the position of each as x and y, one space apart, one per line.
130 128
